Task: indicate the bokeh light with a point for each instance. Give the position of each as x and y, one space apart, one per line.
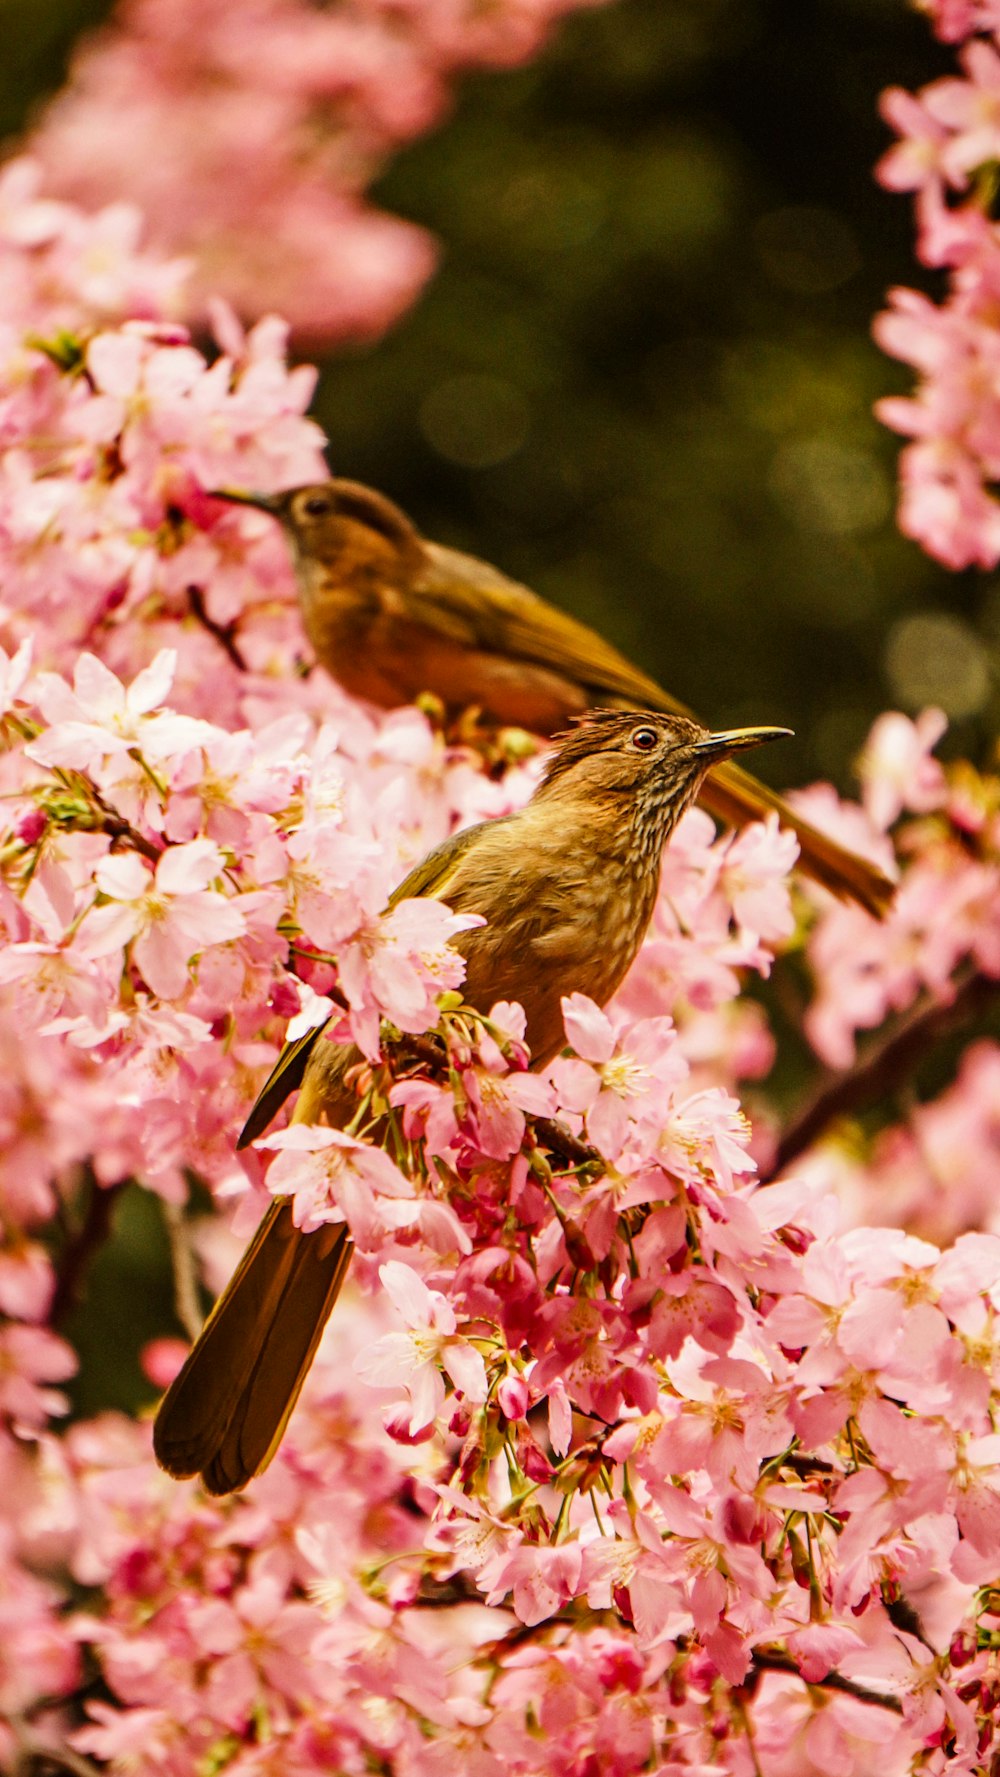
475 421
806 249
933 657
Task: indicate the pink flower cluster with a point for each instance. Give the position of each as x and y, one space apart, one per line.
614 1459
935 960
947 155
254 130
945 913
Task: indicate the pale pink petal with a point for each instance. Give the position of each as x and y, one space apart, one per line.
100 692
588 1029
163 963
184 869
124 876
409 1293
150 687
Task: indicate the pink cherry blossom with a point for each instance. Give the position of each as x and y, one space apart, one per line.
649 1452
102 720
896 768
412 1358
166 915
948 133
331 1177
626 1077
399 964
271 131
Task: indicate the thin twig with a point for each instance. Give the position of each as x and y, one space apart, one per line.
747 1726
117 827
883 1064
82 1247
765 1661
223 632
186 1304
555 1135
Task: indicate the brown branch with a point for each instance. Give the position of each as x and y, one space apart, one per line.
222 632
82 1247
32 1752
117 828
100 817
764 1661
883 1064
555 1135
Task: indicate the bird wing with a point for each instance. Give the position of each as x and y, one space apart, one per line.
286 1076
429 878
474 604
469 601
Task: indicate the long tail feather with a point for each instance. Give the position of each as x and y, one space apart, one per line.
224 1414
262 1412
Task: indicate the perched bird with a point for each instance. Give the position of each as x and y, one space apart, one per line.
391 615
567 887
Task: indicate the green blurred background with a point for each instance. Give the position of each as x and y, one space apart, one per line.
643 378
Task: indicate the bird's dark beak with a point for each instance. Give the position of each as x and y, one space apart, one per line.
238 496
734 740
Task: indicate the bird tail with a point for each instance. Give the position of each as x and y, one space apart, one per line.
224 1415
734 796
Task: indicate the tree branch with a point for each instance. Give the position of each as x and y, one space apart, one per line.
117 828
883 1064
34 1753
555 1135
222 632
765 1661
102 818
82 1247
186 1304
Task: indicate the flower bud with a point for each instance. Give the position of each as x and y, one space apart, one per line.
31 826
513 1396
396 1420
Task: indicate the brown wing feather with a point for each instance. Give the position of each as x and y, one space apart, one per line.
513 621
286 1076
733 796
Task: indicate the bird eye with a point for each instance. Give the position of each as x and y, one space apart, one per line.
644 739
317 506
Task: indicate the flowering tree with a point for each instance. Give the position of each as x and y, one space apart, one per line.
947 156
254 129
641 1442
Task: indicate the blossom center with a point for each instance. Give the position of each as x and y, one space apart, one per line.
625 1076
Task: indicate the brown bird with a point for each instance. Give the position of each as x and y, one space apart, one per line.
567 887
391 615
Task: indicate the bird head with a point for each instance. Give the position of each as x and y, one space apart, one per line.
642 767
322 516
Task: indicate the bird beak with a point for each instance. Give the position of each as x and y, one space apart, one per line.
243 497
734 740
